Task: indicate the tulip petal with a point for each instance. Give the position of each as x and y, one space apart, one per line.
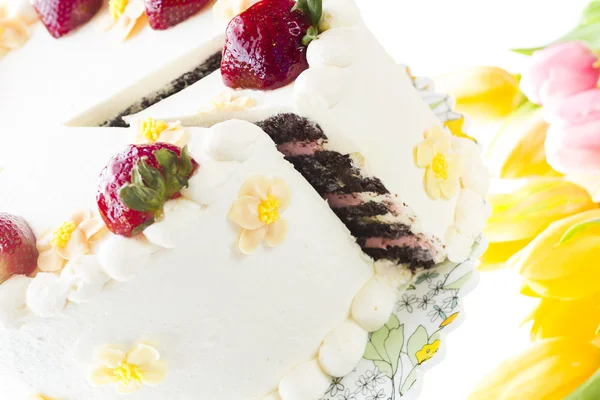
550 369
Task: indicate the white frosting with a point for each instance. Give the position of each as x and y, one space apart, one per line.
339 14
373 305
167 232
318 89
341 41
307 381
12 301
96 76
84 279
271 396
46 295
192 301
124 258
224 142
342 348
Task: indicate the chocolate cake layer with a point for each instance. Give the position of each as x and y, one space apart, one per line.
212 64
362 202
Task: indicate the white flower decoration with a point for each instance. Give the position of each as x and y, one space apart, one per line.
443 168
257 212
129 371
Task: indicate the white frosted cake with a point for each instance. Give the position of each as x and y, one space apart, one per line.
246 234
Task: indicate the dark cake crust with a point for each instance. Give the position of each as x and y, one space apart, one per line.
189 78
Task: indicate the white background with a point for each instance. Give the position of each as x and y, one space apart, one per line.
434 37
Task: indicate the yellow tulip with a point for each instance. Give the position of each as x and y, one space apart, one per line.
549 370
562 269
518 150
577 319
498 253
524 208
482 92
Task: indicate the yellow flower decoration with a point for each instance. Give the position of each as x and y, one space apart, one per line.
70 240
227 100
443 168
130 371
257 211
125 16
152 130
427 351
456 127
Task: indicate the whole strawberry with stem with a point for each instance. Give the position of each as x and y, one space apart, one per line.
138 181
18 252
265 46
63 16
163 14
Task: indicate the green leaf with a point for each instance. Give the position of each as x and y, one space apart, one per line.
411 287
301 5
167 160
434 336
378 339
151 177
409 382
140 198
590 390
311 34
371 353
393 346
591 14
393 322
315 8
385 368
136 177
577 229
527 51
459 283
416 342
185 162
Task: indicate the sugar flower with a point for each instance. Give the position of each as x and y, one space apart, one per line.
13 34
227 100
70 240
257 211
152 130
129 371
124 16
442 167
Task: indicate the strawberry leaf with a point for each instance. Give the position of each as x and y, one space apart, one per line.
185 162
141 198
315 10
151 177
167 160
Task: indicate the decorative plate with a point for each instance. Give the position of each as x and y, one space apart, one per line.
412 341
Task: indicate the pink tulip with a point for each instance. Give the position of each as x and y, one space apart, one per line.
560 71
573 140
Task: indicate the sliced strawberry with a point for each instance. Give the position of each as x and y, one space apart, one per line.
163 14
136 183
265 46
63 16
18 253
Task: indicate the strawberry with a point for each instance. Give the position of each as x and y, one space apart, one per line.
163 14
63 16
18 253
136 183
265 46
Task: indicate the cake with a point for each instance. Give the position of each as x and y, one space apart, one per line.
241 237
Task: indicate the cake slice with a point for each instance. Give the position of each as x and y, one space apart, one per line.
91 76
246 284
410 190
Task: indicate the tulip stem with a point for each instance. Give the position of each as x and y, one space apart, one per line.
590 389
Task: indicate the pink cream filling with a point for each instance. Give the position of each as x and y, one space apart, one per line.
384 243
299 148
344 200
